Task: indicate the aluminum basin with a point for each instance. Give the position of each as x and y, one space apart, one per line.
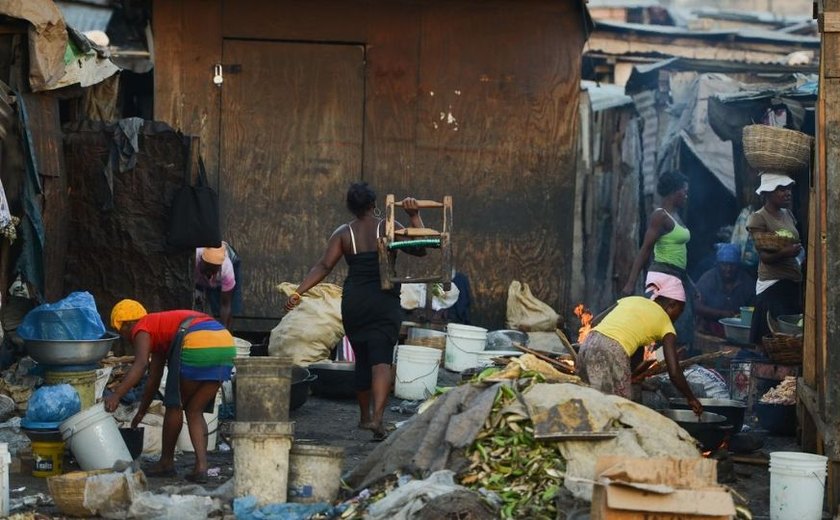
70 352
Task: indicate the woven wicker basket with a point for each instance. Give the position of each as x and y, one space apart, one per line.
769 148
771 241
68 491
783 349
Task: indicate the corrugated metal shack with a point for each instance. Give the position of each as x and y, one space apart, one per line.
670 73
83 224
477 100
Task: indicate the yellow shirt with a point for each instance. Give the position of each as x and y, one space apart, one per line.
634 322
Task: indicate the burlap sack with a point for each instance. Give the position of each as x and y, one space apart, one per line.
526 313
309 332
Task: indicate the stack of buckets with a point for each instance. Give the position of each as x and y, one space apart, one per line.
265 464
92 434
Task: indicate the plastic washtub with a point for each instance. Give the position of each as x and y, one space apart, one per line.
736 332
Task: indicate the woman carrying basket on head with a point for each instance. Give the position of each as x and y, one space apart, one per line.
779 286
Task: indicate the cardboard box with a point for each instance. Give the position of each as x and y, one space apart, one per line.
659 489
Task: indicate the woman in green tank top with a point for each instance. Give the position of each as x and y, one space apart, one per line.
666 239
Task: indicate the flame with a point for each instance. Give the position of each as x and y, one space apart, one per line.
585 318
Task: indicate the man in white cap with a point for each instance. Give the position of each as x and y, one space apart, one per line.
779 286
216 281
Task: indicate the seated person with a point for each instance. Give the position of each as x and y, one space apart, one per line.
723 290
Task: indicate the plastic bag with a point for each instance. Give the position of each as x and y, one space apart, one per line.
526 313
247 508
175 507
53 403
111 494
73 318
309 333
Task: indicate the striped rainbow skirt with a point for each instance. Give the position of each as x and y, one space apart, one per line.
207 353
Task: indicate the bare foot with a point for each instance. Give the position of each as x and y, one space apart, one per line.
367 425
160 471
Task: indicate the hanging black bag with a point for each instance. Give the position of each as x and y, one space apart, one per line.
194 220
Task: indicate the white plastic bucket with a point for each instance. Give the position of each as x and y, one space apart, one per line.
184 442
417 372
463 342
797 485
243 347
94 439
314 473
261 459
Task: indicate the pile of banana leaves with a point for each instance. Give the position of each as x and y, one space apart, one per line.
506 459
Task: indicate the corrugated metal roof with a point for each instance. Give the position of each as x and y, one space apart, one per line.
85 17
735 36
603 96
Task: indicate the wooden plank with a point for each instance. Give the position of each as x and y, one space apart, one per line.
482 95
830 55
313 20
830 22
416 232
809 345
46 133
832 267
288 159
167 25
185 96
48 149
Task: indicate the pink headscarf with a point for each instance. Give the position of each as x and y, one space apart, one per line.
665 285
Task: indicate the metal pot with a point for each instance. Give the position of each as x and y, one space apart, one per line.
69 352
299 392
335 379
709 429
729 408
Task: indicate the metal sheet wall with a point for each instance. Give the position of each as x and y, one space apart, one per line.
473 99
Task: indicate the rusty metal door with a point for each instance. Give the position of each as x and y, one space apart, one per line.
291 125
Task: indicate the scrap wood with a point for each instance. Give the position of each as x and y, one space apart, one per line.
566 343
755 460
661 367
554 363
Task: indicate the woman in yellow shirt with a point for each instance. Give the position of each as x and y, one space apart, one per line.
632 323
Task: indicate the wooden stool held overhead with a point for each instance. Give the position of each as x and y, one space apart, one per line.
396 239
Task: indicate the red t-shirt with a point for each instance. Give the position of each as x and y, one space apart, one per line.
162 326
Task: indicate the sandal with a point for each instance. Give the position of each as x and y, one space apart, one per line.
161 473
379 434
196 478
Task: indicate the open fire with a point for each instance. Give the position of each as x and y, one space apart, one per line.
585 318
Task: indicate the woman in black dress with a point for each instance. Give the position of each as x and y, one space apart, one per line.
371 316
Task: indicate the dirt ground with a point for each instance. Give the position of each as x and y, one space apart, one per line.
334 422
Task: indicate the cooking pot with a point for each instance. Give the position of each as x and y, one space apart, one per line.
731 409
709 428
299 391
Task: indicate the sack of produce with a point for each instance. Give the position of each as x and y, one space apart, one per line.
310 332
527 313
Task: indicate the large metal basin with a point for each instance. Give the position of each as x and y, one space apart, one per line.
70 352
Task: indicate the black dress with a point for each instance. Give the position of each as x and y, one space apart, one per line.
371 316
